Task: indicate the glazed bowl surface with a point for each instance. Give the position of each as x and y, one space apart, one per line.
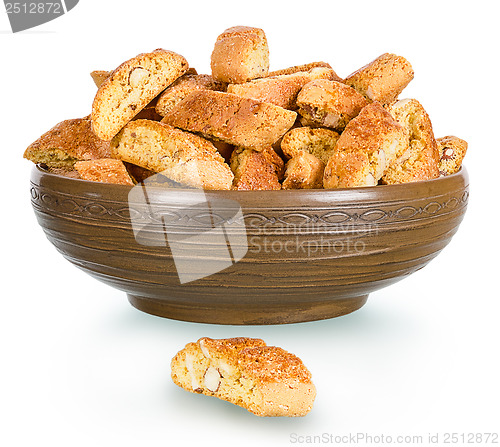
248 257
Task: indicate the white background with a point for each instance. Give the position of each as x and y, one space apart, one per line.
81 367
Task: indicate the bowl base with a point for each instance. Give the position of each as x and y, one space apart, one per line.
235 315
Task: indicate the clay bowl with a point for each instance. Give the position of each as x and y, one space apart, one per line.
248 257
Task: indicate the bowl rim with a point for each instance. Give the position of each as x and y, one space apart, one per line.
461 176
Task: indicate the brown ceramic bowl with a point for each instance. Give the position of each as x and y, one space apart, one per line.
284 257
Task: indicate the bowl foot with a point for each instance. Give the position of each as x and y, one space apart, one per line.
198 313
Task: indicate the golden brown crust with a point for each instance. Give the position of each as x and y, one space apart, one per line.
183 157
318 141
130 87
266 380
304 171
383 79
348 170
281 90
420 161
99 76
304 67
182 87
66 143
370 143
329 103
240 54
106 170
254 170
239 121
452 151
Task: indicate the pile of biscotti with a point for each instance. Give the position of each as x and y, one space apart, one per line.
245 128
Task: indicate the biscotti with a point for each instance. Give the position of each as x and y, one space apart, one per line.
254 170
239 121
240 54
182 87
183 157
383 79
106 170
304 171
451 154
303 67
281 90
329 103
421 160
377 137
66 143
131 87
317 141
266 380
99 76
244 118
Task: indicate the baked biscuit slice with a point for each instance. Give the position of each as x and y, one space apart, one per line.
329 103
266 380
242 122
182 87
240 53
383 79
255 170
318 141
420 161
149 110
66 143
348 170
132 86
304 171
369 145
183 157
281 90
106 170
451 154
300 68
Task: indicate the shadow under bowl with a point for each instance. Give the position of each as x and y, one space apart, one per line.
248 257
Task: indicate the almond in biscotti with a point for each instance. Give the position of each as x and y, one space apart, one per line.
132 86
330 104
266 380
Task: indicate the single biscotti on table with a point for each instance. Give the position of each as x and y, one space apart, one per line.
369 145
240 53
281 90
256 170
66 143
451 154
383 79
329 103
131 87
421 160
183 157
182 87
318 141
106 170
239 121
304 171
266 380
